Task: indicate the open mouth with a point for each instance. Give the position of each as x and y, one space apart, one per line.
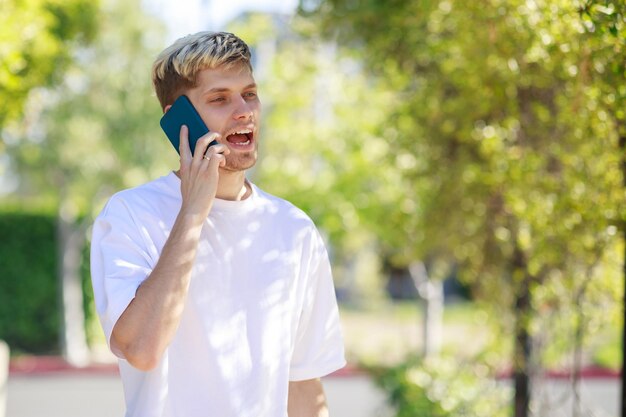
242 137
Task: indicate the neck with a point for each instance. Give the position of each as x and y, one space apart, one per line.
232 186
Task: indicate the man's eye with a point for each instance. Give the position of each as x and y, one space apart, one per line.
217 99
250 94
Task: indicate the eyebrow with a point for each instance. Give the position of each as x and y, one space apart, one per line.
225 89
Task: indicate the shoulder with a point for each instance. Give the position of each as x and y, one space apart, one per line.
291 227
289 221
283 209
143 198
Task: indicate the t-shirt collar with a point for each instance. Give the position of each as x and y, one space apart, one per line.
218 203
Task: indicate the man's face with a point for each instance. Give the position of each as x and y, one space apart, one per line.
228 103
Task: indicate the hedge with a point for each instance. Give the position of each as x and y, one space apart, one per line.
29 292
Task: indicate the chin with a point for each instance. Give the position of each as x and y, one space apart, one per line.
241 162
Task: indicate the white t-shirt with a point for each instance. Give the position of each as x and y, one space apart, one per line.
261 309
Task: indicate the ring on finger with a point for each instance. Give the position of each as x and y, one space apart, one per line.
207 157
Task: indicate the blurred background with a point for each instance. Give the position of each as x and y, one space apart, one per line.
464 160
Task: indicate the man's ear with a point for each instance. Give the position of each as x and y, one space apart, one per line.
166 108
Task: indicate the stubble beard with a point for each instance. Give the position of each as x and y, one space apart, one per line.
240 161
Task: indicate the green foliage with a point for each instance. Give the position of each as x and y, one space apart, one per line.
609 355
442 388
495 114
37 38
29 314
504 145
98 130
607 18
505 139
29 289
605 22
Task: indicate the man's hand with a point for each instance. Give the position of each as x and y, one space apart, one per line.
199 173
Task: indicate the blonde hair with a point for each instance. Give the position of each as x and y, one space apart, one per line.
177 67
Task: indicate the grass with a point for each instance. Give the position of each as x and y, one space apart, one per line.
386 333
608 351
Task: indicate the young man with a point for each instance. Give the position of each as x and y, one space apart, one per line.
216 296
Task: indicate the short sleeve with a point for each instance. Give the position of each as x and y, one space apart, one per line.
119 263
319 347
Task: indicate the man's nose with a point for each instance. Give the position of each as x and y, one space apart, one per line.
243 109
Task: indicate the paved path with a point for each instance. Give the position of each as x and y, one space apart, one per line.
99 394
65 395
71 394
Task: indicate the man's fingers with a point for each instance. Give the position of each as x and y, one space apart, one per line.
217 150
216 156
203 144
214 161
183 144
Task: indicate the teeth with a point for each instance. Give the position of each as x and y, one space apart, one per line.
243 132
241 143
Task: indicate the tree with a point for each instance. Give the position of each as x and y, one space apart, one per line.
95 133
504 149
606 23
38 38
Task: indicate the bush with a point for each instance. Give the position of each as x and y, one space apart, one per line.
442 387
29 313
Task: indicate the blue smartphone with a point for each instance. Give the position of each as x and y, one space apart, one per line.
182 113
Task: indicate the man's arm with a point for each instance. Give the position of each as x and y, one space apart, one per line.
147 326
307 399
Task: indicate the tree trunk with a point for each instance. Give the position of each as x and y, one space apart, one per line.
431 292
578 357
70 243
523 339
622 147
579 335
